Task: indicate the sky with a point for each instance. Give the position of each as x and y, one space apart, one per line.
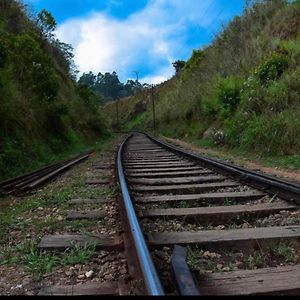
137 38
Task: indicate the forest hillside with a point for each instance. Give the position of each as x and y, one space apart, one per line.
44 114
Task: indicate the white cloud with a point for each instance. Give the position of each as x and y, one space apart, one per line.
152 38
163 75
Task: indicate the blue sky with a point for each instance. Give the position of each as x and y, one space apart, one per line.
137 35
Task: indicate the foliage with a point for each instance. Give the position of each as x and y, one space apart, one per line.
38 263
178 65
272 68
108 85
42 113
46 23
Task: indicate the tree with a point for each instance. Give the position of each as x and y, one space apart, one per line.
46 23
88 79
109 86
178 65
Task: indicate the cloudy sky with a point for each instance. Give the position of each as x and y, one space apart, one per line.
144 36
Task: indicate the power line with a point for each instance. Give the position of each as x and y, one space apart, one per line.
214 20
207 9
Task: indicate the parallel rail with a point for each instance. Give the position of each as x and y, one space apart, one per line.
25 183
151 278
152 172
272 185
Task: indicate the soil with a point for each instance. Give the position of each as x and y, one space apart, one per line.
275 171
32 224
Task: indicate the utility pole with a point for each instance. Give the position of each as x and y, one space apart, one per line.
137 75
153 104
117 107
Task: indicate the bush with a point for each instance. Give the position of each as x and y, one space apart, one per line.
276 134
272 68
228 92
224 100
34 67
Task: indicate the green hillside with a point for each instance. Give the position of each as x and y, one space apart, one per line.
44 115
242 91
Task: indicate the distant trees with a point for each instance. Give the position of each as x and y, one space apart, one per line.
109 86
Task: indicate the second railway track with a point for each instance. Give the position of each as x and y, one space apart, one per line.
26 183
238 239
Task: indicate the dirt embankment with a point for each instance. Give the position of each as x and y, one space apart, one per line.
290 175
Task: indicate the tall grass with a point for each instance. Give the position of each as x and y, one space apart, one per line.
246 84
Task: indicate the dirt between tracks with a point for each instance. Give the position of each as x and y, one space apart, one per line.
293 176
23 268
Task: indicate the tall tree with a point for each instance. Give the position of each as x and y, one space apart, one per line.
46 23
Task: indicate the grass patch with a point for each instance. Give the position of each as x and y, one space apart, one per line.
223 152
38 262
184 204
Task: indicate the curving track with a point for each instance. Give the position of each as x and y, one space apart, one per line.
233 225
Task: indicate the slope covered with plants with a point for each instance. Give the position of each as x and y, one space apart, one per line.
44 114
245 85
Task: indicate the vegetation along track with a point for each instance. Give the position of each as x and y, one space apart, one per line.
113 268
211 228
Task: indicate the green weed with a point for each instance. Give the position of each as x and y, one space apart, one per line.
256 260
287 252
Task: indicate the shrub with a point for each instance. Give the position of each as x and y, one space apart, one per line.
276 134
272 68
229 92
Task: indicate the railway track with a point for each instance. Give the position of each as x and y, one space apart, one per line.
208 228
182 225
26 183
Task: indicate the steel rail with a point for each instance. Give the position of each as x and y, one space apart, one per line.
48 176
12 181
36 178
151 278
284 189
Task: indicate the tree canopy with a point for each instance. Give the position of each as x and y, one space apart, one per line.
108 85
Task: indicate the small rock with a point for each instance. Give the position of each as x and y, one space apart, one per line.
89 274
208 254
220 227
30 293
81 276
246 225
219 266
60 218
123 270
40 208
109 277
121 255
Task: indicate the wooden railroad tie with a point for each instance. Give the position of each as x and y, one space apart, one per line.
64 241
